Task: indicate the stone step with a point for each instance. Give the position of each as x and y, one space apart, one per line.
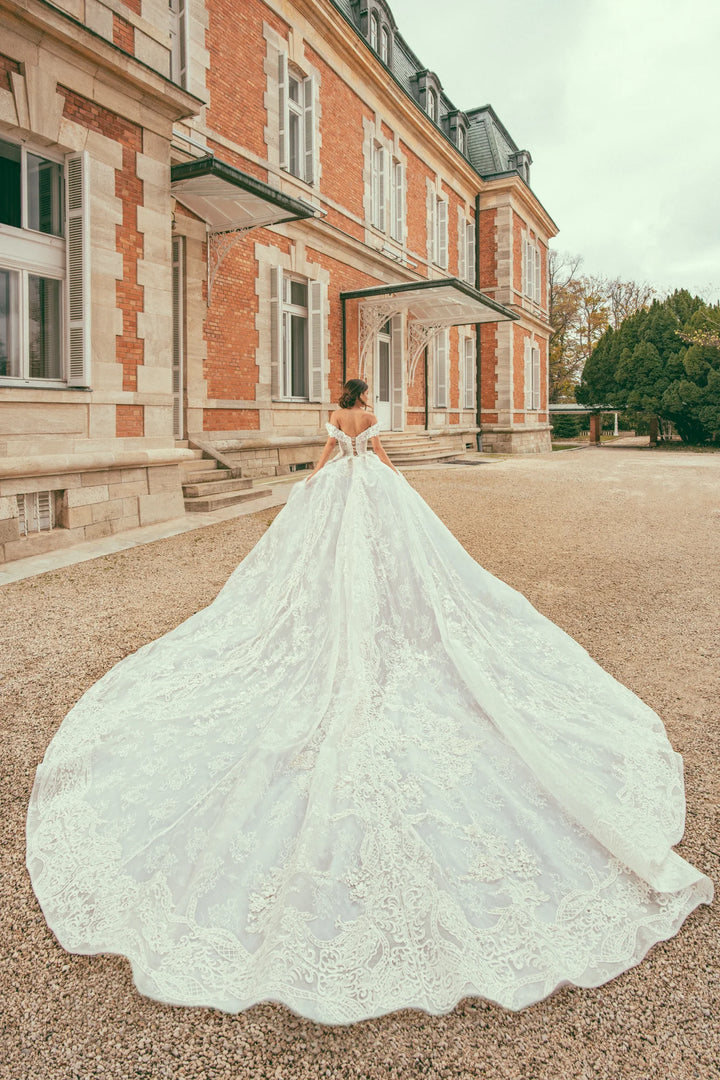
210 487
205 474
206 504
424 458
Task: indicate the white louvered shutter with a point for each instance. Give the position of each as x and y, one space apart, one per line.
283 110
399 202
526 267
316 338
45 516
397 417
431 229
442 223
309 128
441 365
77 254
471 277
462 245
178 335
528 375
379 188
469 372
538 273
276 330
535 378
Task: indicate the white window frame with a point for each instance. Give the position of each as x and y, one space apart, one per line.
305 110
29 253
397 207
374 31
179 42
280 340
431 103
532 375
532 270
461 139
469 371
378 182
440 238
384 45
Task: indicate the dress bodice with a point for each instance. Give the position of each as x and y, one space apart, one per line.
350 447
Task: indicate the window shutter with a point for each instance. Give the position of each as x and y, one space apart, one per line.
45 516
471 277
77 254
276 330
528 375
380 188
441 364
538 279
442 209
462 246
397 418
399 202
431 228
525 266
535 378
309 128
283 110
316 319
469 372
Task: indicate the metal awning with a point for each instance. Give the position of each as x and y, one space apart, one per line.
430 305
230 200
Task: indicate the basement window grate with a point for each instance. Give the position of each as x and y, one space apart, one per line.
36 512
301 465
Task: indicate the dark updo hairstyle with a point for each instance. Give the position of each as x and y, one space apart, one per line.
352 390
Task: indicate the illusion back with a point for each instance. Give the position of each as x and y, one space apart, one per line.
350 447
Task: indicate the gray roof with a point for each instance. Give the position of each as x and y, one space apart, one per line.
490 148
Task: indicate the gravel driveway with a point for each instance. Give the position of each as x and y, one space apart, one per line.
620 548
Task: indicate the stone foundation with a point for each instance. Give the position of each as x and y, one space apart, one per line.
93 497
535 440
264 457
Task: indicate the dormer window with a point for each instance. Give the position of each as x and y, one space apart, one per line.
431 104
374 31
385 45
429 93
461 140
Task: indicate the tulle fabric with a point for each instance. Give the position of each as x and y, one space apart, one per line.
368 776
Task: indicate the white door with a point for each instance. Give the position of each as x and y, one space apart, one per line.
383 377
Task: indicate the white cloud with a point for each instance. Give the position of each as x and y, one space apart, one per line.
617 101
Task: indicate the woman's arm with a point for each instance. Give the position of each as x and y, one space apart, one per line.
327 451
380 452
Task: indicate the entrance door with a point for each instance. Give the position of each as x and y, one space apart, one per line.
383 378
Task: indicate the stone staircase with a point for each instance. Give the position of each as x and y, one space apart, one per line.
423 448
207 486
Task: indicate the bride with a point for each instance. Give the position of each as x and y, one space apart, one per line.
369 776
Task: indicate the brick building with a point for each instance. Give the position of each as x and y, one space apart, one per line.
213 214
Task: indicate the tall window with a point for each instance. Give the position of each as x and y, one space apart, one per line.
532 270
378 187
442 356
461 139
32 265
297 121
469 367
297 333
178 41
397 221
438 230
532 376
385 45
431 104
374 31
466 249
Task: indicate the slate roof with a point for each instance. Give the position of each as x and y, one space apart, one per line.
490 147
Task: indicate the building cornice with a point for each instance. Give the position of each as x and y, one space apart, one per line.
510 189
110 63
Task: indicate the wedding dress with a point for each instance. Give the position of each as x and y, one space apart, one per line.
368 776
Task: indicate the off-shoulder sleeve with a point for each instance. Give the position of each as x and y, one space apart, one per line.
372 431
332 430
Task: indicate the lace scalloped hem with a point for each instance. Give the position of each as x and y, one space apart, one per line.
330 1012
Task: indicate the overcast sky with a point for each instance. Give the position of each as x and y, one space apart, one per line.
618 102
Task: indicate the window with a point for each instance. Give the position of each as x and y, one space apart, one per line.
466 250
442 350
532 376
468 357
431 104
438 230
178 41
36 512
385 45
297 330
374 28
378 187
397 222
43 267
297 121
532 270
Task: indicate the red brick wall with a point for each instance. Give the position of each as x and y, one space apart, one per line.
134 5
129 348
129 421
488 368
6 66
123 34
231 420
488 249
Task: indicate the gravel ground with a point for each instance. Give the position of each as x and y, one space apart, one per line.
618 548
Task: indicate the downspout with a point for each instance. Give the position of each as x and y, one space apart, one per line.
344 349
478 352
